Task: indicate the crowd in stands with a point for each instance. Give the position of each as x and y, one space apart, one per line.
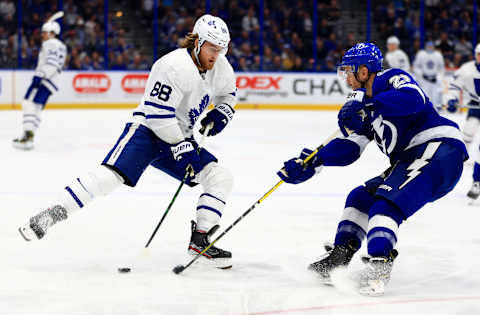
82 31
287 39
447 23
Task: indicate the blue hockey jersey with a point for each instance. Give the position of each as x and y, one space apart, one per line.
398 116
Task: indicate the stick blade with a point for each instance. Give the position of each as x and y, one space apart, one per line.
178 269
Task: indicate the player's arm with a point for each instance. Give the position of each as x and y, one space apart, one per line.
404 98
407 61
338 152
224 103
417 65
455 86
53 63
163 94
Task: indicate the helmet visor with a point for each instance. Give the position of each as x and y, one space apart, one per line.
344 70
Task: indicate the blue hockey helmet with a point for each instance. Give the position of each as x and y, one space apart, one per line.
366 54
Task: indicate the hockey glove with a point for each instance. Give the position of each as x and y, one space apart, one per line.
186 156
452 105
220 116
349 117
295 172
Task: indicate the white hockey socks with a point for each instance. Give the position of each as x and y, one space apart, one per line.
470 128
31 115
217 184
99 182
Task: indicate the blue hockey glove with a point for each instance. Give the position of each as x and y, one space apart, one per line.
452 105
220 116
186 155
294 172
349 118
36 80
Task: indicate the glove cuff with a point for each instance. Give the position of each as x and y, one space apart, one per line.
357 95
226 110
181 148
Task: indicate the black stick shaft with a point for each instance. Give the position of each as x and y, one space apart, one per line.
168 208
187 174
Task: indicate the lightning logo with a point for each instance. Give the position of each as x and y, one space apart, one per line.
415 167
379 125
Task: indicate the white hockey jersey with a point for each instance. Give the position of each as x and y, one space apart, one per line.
429 65
176 94
398 59
466 79
51 59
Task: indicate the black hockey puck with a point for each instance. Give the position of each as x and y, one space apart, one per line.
178 269
124 270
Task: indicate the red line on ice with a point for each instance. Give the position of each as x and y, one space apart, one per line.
337 306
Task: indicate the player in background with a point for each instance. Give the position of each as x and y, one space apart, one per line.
426 153
467 79
395 57
44 82
429 69
179 88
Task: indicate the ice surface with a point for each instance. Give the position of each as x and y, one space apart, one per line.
74 269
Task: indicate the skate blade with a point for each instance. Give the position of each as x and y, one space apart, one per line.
219 263
23 146
25 233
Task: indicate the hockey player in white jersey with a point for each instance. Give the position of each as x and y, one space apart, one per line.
179 88
467 80
44 82
395 57
429 69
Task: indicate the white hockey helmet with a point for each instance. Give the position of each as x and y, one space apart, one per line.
477 49
213 30
51 27
393 40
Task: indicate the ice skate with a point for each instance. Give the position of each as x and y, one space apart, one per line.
213 256
336 256
474 191
376 274
40 223
25 142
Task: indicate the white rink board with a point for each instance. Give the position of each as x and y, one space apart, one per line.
117 88
73 270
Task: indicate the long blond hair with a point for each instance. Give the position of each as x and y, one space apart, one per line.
189 41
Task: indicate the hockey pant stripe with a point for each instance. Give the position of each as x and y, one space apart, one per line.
77 200
121 145
210 209
212 196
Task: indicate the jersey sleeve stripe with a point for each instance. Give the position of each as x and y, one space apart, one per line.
169 108
159 116
454 87
138 114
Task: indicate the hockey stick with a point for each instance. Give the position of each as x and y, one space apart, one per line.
180 268
187 174
57 15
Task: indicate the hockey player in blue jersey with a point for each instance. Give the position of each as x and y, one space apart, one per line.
426 152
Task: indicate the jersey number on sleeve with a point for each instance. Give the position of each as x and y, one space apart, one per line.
162 91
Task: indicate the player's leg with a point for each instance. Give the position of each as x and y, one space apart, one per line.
471 124
32 106
217 184
428 173
469 131
350 233
124 164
